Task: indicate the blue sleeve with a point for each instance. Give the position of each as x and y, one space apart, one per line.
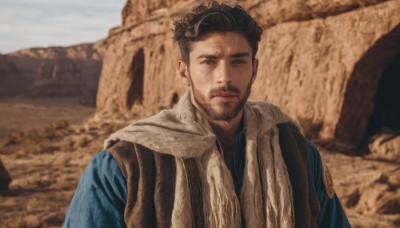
100 197
331 213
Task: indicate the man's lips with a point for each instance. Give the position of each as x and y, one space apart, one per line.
225 95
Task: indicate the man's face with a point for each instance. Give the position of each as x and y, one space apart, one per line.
220 74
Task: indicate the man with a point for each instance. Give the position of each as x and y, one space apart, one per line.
215 159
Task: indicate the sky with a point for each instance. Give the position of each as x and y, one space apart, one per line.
44 23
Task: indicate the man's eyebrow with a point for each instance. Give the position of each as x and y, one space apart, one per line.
207 56
239 55
236 55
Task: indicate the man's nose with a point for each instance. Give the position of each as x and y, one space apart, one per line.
224 73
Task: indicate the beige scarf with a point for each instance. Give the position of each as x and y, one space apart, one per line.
266 194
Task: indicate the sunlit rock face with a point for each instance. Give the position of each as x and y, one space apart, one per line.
320 61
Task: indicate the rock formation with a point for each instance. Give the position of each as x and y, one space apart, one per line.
64 71
11 81
27 60
58 70
320 61
386 146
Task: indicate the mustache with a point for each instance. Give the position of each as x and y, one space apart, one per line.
226 88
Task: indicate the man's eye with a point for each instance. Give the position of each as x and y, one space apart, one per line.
238 61
208 62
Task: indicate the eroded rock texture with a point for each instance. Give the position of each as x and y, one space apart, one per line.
320 61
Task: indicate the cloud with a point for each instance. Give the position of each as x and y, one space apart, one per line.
45 23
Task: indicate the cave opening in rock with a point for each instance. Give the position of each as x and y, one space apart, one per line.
369 94
135 91
385 118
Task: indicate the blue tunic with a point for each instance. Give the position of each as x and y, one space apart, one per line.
100 197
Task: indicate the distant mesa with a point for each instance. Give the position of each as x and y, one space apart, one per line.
11 81
58 71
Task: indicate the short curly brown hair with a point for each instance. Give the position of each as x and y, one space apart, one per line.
215 17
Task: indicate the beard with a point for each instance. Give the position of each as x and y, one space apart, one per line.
207 108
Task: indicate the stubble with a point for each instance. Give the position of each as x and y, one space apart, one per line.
207 108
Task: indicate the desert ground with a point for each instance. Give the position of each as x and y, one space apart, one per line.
46 145
24 114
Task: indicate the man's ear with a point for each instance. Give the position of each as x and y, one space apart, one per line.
255 70
183 72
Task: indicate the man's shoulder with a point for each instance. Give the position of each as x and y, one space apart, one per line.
262 105
127 153
267 113
120 146
123 149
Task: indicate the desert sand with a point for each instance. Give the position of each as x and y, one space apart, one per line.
46 165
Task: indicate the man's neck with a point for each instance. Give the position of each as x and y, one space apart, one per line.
225 130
